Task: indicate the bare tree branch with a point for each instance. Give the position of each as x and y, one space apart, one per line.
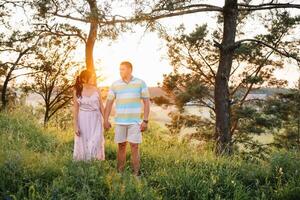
54 31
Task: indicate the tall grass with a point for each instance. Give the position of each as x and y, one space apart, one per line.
36 163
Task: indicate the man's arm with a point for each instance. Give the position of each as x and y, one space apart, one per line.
146 100
144 125
107 111
146 108
109 102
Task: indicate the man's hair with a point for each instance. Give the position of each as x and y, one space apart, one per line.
127 63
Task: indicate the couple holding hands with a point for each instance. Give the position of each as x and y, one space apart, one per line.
128 93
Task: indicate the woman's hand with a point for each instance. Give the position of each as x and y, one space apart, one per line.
77 132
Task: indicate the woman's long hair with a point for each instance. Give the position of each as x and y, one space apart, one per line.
83 77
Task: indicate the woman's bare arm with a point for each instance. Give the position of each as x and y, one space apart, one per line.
75 112
101 102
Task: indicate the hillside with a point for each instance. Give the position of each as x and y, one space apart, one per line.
37 164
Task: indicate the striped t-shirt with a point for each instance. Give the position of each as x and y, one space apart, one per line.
128 99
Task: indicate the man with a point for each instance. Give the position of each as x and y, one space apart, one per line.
128 92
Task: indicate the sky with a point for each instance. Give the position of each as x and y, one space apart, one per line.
145 50
148 53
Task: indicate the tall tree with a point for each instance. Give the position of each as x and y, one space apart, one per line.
230 14
193 79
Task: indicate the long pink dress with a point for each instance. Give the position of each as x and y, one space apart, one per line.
90 144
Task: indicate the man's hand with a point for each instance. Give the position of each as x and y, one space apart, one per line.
77 132
143 126
107 125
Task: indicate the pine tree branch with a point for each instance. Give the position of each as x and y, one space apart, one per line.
266 6
151 16
283 53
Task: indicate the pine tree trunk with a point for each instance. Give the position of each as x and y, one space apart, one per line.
222 101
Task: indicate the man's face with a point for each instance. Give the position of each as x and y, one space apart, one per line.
125 71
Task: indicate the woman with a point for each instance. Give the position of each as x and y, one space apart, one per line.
88 108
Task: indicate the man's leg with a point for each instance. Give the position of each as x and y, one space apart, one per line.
135 158
120 139
121 156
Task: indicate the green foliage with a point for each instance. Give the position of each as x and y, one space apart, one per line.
197 37
253 80
285 107
161 100
36 163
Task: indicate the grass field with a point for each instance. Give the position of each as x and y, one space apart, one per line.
36 163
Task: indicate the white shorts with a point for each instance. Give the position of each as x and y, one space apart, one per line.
128 132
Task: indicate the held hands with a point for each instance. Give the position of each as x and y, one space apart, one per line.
107 125
143 126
